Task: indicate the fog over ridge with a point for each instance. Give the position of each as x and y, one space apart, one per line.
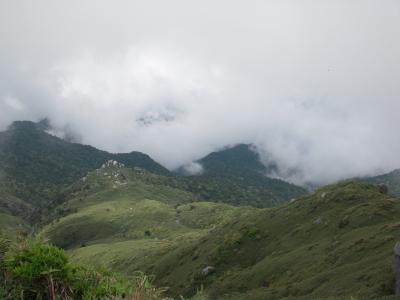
314 85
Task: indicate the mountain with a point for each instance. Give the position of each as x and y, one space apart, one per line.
234 160
236 175
335 243
35 166
128 213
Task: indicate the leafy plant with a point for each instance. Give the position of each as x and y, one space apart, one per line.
42 271
4 246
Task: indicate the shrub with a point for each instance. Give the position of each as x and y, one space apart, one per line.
42 271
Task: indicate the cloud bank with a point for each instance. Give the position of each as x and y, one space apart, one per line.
313 84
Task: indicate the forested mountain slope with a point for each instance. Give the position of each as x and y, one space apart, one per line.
235 175
35 166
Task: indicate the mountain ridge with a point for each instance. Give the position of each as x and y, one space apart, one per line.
333 243
240 166
36 166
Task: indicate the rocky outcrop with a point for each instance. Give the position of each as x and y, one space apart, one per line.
112 163
207 270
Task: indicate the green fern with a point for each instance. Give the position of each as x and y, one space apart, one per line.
4 246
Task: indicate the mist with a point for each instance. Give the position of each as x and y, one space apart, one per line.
314 85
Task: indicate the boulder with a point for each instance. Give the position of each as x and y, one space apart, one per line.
207 270
317 221
382 188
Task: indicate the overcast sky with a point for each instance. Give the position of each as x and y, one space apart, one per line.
314 84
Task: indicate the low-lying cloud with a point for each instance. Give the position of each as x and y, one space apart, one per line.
314 85
193 168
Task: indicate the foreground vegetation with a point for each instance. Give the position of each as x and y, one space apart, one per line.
34 270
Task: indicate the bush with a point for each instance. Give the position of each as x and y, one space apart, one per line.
42 271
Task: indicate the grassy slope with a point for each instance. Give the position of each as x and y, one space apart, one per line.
118 220
336 242
13 214
11 225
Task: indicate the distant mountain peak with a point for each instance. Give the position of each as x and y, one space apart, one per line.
23 125
238 158
236 169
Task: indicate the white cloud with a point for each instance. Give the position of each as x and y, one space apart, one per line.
314 84
193 168
14 103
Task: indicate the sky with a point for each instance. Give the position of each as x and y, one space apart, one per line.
314 85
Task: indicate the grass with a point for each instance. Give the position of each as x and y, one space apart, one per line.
334 243
35 270
11 225
283 252
131 227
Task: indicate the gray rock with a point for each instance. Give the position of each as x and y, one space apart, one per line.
207 270
317 221
382 188
112 163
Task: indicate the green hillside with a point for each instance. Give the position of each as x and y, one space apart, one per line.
198 233
14 214
334 243
10 225
236 176
117 218
35 166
